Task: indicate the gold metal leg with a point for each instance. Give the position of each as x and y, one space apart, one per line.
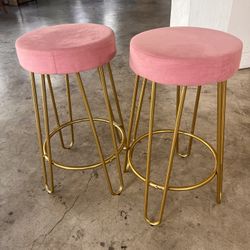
47 137
56 112
111 122
116 100
92 124
131 120
171 156
197 99
39 131
221 108
150 138
178 91
70 110
137 119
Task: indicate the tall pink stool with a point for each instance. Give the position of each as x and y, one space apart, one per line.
68 50
185 57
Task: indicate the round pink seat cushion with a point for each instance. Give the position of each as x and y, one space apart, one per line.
66 48
185 55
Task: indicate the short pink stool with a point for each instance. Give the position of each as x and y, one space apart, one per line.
63 50
181 56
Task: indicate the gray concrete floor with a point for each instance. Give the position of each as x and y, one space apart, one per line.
81 214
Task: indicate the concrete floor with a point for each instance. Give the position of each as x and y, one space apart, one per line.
81 214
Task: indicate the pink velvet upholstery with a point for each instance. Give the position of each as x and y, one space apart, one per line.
66 48
185 55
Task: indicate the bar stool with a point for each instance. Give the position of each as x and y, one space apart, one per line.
70 49
181 56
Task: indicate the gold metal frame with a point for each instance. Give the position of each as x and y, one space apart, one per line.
133 140
117 130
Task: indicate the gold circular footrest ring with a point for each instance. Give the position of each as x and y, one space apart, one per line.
91 166
172 188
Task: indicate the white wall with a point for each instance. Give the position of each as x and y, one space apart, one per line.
180 12
239 25
232 16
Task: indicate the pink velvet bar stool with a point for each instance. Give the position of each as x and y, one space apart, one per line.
67 50
185 57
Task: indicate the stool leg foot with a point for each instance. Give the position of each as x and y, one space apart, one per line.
171 156
56 112
111 121
221 108
195 111
92 125
131 121
39 136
